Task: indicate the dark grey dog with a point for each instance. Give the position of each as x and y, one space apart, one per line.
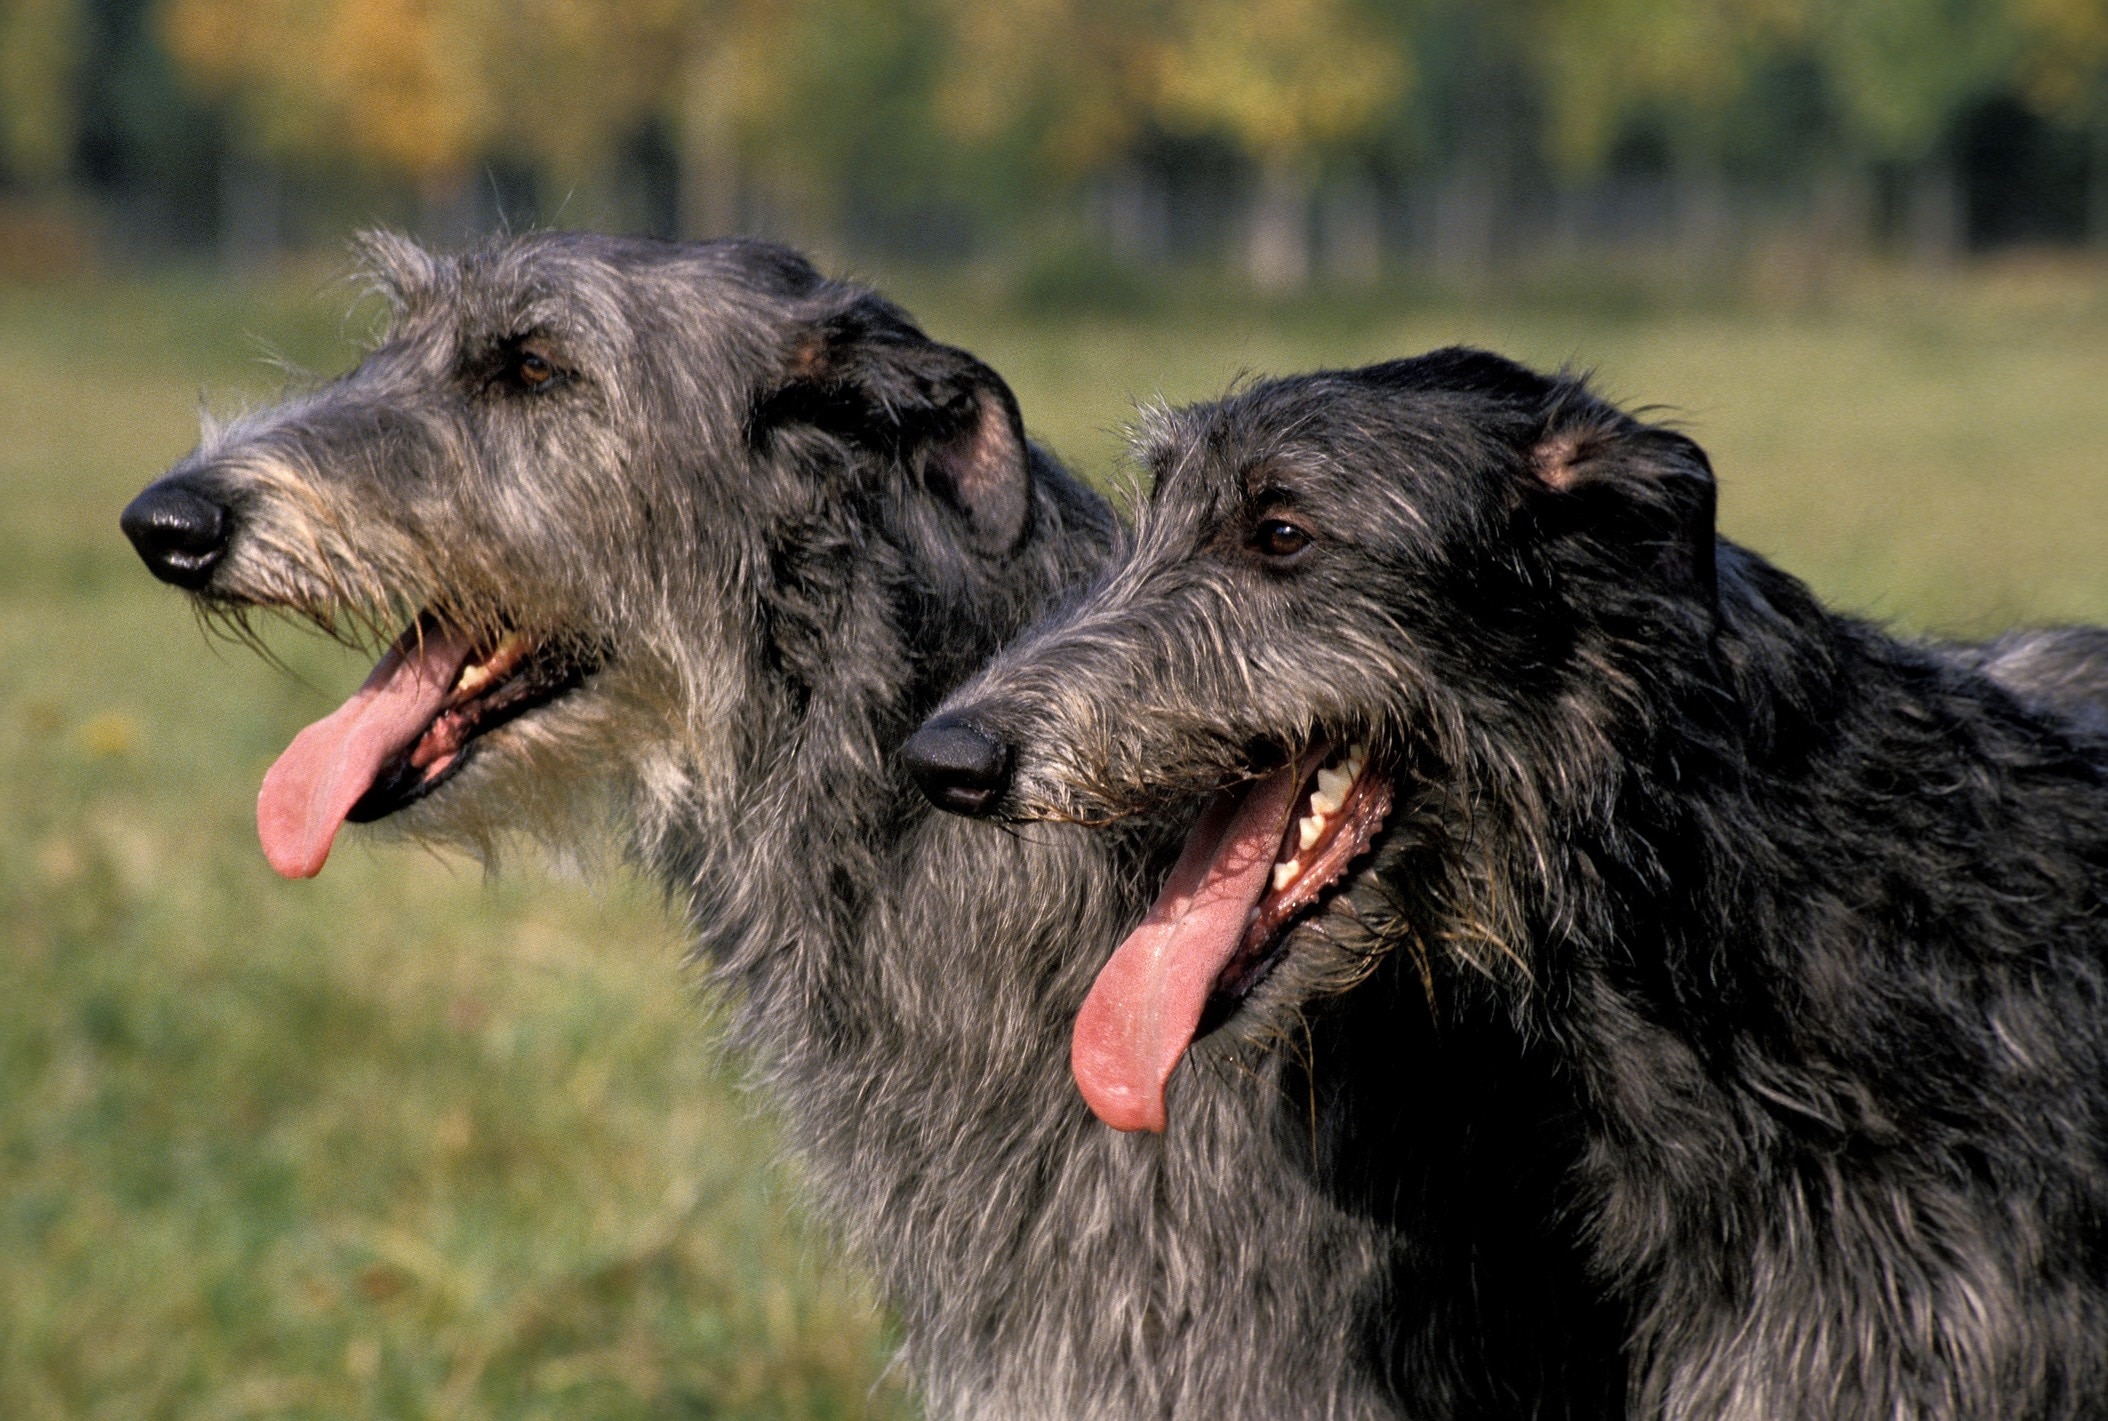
686 540
1813 922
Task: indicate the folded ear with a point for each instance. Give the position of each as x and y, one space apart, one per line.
1649 491
862 371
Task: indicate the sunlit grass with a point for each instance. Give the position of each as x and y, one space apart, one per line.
403 1143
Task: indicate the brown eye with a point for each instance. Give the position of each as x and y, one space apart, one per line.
532 372
1278 538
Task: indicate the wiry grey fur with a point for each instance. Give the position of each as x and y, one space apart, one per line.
1812 922
784 522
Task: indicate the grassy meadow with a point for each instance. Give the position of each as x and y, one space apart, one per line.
403 1142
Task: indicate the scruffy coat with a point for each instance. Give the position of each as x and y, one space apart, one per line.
1813 922
779 522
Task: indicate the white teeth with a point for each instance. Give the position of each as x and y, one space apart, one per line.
503 657
1331 792
1333 784
1325 801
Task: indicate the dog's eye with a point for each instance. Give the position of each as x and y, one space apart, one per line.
1278 538
526 366
532 371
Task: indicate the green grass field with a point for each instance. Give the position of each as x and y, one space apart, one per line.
401 1142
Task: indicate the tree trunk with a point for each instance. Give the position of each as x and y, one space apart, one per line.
1353 231
1843 216
1935 219
1466 210
708 158
1134 212
448 213
1277 250
1705 222
2097 187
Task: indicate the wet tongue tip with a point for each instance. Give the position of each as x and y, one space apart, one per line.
1123 1051
331 764
292 850
1142 1011
1126 1107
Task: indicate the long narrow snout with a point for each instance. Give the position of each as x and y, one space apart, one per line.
958 765
180 531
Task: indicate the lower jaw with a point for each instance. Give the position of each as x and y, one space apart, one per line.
398 790
1238 984
403 783
1248 972
1254 964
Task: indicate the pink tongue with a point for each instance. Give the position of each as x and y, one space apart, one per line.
329 765
1145 1006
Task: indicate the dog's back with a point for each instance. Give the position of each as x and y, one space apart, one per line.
2061 669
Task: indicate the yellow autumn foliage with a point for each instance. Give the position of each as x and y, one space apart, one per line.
393 84
425 88
1077 73
1281 78
2066 64
1278 78
1058 89
1597 59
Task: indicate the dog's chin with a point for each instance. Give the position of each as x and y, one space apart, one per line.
1239 929
1328 948
545 778
505 693
446 706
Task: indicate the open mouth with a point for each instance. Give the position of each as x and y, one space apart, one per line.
1261 857
1338 812
406 732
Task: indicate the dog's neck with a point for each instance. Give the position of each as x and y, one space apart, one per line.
1764 940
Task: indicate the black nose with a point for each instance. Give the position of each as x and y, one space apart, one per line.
959 767
179 532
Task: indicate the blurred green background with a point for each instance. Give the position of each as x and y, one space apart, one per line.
408 1142
1086 145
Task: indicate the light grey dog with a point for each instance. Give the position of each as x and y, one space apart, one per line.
686 540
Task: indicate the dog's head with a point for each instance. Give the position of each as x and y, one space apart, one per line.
1357 602
595 498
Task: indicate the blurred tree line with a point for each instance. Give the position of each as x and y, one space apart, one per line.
1286 136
